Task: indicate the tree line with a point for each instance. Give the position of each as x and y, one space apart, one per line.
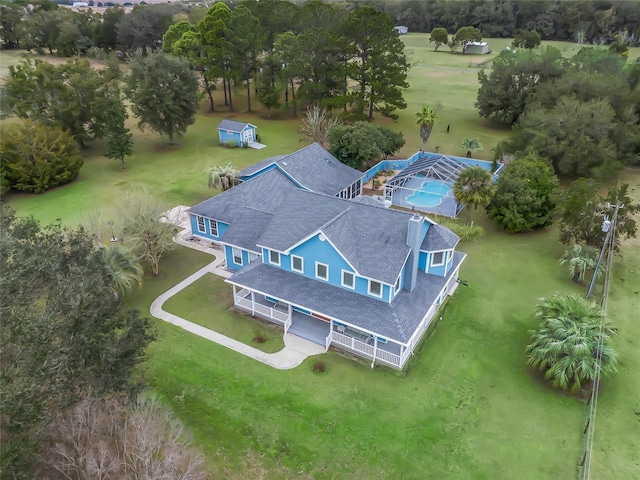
573 20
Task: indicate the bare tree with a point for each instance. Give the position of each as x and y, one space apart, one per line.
316 124
103 440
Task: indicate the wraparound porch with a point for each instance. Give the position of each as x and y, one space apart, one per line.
322 330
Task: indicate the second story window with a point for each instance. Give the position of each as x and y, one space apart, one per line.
322 271
437 259
274 257
375 288
348 279
297 264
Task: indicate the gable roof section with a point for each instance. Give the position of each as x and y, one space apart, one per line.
371 238
439 238
234 126
256 167
312 167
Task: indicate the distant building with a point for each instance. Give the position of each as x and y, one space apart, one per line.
402 30
477 48
80 5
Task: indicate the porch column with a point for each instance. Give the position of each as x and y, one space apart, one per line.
234 295
375 350
290 312
253 303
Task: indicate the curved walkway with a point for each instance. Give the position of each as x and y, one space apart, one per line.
295 351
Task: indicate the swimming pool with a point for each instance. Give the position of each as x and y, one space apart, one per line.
430 194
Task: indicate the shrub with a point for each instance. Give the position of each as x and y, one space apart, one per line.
319 367
231 143
468 232
389 173
37 157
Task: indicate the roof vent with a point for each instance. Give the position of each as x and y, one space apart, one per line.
284 163
328 161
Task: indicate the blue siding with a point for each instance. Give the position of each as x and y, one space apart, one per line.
314 250
228 255
225 137
422 261
222 227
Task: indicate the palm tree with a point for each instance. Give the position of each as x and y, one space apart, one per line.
223 177
426 119
474 187
122 268
571 344
580 260
470 144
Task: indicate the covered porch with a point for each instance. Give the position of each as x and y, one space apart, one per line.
321 329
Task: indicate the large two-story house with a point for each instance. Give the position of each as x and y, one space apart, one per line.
343 272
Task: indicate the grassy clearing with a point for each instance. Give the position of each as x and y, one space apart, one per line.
468 409
207 302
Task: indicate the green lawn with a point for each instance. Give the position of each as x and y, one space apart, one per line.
467 409
207 302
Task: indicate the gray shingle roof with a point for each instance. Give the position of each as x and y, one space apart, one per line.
312 167
256 167
233 126
371 238
247 207
396 321
439 238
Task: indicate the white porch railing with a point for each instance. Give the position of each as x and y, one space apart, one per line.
265 311
287 323
364 348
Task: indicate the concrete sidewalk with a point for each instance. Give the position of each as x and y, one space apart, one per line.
296 349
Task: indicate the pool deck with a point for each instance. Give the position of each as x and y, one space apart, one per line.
447 206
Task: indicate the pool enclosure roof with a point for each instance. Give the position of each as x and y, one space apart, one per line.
437 167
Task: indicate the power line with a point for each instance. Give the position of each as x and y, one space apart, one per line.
609 248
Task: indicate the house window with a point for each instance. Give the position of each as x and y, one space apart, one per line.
213 225
322 271
201 228
297 264
348 279
274 257
237 255
397 285
437 259
375 288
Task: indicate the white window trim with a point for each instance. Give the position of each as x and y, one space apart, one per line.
271 259
233 255
375 294
213 223
204 227
396 287
353 286
301 264
327 268
433 264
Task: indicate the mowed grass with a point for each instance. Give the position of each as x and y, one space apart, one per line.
207 302
468 408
